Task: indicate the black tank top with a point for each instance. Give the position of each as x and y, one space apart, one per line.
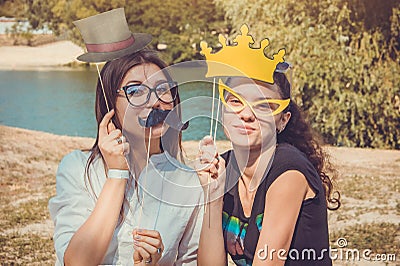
310 242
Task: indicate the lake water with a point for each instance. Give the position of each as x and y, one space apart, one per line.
62 102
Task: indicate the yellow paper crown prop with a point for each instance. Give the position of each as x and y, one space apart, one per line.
241 59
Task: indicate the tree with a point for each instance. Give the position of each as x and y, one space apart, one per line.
178 24
12 8
346 64
346 73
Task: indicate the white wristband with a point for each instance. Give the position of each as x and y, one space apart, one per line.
117 173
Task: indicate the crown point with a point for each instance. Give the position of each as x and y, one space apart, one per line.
205 50
241 59
222 40
244 39
278 57
281 52
244 29
264 43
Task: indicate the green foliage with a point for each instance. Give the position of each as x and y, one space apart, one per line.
178 24
12 8
27 212
345 53
346 73
19 34
28 248
60 14
378 237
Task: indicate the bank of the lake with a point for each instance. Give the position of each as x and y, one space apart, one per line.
62 102
52 55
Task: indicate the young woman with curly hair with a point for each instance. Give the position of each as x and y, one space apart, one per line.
274 209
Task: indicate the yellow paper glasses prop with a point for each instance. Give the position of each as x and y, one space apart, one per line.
236 103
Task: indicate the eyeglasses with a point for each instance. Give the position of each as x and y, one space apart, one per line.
236 103
139 94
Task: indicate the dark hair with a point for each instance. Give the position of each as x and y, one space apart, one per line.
299 134
112 75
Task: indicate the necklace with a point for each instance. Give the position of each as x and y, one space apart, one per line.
251 190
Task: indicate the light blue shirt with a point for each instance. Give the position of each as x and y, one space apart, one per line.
172 205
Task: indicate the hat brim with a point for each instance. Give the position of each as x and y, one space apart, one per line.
141 41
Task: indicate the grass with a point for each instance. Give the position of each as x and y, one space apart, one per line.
27 181
29 248
356 185
26 213
378 237
370 187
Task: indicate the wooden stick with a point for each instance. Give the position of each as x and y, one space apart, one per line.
102 87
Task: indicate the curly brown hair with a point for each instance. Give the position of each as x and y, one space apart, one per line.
299 134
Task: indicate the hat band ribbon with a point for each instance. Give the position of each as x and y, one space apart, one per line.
110 47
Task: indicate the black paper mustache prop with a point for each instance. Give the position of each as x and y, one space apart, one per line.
157 116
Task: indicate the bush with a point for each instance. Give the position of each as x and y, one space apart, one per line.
346 73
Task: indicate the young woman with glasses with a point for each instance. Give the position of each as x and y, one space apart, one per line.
270 194
104 214
129 199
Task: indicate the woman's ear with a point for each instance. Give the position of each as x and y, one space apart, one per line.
286 117
283 121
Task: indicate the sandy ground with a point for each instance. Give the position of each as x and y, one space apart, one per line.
49 55
369 183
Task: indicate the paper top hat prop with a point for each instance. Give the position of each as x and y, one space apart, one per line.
241 59
107 37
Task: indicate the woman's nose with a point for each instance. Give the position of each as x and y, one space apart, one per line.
247 114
